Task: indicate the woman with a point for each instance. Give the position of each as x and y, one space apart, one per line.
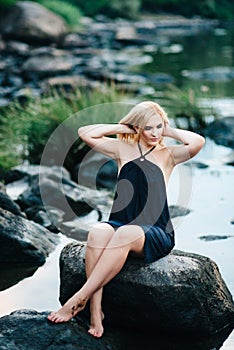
139 222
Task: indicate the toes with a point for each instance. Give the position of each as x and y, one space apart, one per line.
98 334
95 333
53 317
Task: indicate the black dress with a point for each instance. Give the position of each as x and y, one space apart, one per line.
141 199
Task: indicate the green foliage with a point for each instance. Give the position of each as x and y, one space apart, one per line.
120 8
184 105
7 2
90 7
221 9
25 130
123 8
70 13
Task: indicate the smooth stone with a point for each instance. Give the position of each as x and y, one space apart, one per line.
32 23
182 293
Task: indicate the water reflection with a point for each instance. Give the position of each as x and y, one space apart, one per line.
204 51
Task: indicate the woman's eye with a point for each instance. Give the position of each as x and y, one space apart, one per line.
159 126
147 128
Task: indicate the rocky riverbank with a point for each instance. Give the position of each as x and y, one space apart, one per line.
36 56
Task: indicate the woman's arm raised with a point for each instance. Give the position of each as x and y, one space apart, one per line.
95 137
191 143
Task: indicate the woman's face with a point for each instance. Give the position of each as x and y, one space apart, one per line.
152 132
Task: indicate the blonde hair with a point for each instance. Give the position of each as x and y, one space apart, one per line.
139 116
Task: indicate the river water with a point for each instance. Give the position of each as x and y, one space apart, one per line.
210 190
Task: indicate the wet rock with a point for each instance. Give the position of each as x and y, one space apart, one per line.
26 171
212 74
4 102
209 238
54 189
68 83
74 40
8 204
176 210
127 35
222 131
77 229
46 65
29 329
31 23
160 78
49 218
26 94
17 48
23 241
174 48
180 294
229 159
198 165
47 50
80 227
97 171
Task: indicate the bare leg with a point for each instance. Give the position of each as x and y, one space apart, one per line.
126 239
98 238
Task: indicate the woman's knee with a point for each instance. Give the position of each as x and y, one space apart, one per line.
99 235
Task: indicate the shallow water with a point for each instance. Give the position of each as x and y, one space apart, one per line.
209 196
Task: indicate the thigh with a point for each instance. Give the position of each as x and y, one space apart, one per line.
132 236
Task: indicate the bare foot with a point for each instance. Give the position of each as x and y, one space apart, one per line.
69 310
96 328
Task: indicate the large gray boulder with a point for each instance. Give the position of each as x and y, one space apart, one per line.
23 241
181 293
31 23
222 131
28 329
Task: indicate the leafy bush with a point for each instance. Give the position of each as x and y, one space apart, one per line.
119 8
184 105
223 9
7 2
25 130
90 7
123 8
68 11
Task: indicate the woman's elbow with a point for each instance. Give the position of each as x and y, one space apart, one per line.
81 132
201 141
196 147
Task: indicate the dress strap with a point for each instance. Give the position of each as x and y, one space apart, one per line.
142 158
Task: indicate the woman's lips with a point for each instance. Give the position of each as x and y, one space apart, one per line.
154 139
